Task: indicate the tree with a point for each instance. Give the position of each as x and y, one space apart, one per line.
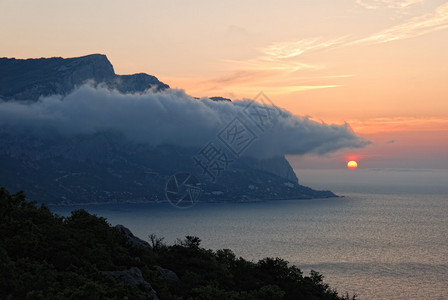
156 242
192 242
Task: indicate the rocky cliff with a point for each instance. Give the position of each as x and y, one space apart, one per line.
28 79
105 166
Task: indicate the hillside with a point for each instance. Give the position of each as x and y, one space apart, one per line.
45 256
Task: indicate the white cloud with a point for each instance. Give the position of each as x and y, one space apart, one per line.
278 63
292 49
375 4
414 27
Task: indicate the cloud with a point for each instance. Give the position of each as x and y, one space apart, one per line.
275 90
293 135
238 77
277 65
287 50
416 26
399 124
284 63
170 117
375 4
284 57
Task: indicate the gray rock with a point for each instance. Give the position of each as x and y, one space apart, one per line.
133 277
29 79
218 99
132 239
167 274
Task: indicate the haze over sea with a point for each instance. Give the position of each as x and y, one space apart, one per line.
387 238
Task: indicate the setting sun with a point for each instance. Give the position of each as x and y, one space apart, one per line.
352 165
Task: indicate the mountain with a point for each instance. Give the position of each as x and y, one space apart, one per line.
105 166
28 79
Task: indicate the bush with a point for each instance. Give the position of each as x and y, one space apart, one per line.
45 256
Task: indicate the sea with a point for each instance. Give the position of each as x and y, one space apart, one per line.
385 237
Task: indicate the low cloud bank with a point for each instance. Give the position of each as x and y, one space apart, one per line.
170 117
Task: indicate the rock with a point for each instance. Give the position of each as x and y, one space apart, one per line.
133 277
29 79
167 274
276 165
132 239
136 83
220 99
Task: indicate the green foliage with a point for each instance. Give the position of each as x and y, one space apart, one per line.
45 256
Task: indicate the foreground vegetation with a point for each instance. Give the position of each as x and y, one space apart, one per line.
45 256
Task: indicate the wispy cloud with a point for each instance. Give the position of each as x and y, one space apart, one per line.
415 27
284 89
287 50
399 124
284 56
286 66
375 4
280 65
266 63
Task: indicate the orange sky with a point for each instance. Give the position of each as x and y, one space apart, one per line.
380 65
397 143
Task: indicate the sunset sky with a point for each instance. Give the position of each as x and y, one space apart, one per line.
379 65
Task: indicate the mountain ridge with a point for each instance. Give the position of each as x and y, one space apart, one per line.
29 79
105 166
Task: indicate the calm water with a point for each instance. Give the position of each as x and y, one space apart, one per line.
380 246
